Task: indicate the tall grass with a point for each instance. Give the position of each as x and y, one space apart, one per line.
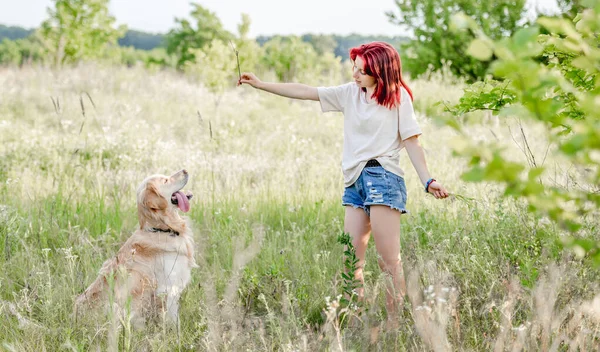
482 273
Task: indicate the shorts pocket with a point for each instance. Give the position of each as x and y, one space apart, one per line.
374 171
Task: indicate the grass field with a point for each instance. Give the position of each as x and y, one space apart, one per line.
482 273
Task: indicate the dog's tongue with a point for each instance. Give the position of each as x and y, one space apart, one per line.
182 202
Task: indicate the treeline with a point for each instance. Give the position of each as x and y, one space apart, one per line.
341 43
147 41
141 40
84 30
14 32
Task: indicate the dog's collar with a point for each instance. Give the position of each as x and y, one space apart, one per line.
173 232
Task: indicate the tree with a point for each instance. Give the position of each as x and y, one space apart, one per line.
561 93
21 51
214 66
78 29
321 42
434 43
9 52
182 40
291 59
288 56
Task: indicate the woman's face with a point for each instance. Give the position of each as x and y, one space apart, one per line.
360 77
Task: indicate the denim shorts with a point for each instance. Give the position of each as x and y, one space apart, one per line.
376 186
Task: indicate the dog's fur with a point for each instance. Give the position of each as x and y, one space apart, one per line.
153 267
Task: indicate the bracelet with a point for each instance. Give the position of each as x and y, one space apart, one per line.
430 181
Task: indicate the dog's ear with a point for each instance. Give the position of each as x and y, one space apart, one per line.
149 202
152 199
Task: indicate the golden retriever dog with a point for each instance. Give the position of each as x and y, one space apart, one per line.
153 267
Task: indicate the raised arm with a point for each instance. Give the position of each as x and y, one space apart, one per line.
289 90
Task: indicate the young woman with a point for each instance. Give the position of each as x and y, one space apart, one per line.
379 122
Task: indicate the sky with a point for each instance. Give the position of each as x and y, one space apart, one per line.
268 17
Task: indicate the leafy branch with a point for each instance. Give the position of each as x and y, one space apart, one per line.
349 283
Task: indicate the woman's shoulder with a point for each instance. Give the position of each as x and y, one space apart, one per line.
404 94
350 86
347 90
346 87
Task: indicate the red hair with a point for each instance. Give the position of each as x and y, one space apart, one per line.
382 62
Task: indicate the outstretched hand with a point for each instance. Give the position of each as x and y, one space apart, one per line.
249 78
437 190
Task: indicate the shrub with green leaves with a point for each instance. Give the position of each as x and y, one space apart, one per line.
78 30
552 79
434 43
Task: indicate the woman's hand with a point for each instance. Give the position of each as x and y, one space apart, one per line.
249 78
437 190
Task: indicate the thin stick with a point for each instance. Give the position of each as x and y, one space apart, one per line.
237 57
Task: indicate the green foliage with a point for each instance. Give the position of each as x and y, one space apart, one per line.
287 56
129 56
552 79
215 66
249 51
486 95
21 51
291 59
188 36
349 283
434 43
78 30
9 52
322 43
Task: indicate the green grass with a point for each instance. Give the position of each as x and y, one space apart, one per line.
266 216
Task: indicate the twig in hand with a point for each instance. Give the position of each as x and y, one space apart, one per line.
237 54
237 57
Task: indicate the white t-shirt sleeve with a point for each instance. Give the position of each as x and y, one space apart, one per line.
333 98
407 124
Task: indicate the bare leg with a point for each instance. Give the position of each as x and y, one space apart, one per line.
385 223
358 226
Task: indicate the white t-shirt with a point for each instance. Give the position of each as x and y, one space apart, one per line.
371 131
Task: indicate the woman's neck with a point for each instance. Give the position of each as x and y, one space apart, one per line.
369 94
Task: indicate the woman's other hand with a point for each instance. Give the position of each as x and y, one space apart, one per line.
437 190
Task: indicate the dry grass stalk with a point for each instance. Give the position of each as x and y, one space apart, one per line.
430 313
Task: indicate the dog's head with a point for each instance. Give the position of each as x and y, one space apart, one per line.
159 197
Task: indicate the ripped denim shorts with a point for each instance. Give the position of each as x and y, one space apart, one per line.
376 186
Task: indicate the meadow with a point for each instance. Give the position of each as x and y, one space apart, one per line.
483 274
